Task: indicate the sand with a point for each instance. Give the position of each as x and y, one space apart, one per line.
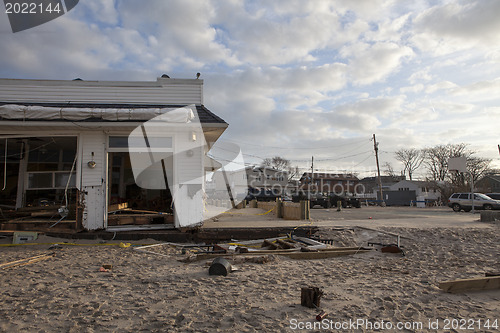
157 293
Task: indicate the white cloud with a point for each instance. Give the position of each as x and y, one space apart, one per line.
458 25
291 71
103 11
389 30
421 75
479 91
412 89
443 85
373 63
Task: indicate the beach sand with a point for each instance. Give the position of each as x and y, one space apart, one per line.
156 293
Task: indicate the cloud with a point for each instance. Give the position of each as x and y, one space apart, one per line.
291 72
274 34
416 88
390 30
184 31
420 75
61 49
458 25
443 85
102 11
479 91
373 63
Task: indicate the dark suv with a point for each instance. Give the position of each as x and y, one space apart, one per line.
459 201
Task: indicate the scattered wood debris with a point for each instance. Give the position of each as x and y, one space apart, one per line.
462 285
310 297
27 261
297 248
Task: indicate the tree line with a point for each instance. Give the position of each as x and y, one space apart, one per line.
435 161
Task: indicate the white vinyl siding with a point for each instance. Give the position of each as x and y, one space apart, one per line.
160 92
93 142
93 185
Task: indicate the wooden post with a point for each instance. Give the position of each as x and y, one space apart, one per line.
304 210
375 145
279 208
310 297
23 168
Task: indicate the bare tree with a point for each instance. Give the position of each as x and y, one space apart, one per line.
282 164
437 164
388 169
478 167
411 158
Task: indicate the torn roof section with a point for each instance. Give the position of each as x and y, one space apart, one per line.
96 112
53 103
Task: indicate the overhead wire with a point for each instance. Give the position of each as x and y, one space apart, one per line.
293 148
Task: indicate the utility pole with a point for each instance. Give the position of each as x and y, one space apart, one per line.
312 179
312 170
375 146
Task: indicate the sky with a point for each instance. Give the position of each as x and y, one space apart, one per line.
295 78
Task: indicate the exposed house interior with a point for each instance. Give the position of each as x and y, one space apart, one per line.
130 204
38 177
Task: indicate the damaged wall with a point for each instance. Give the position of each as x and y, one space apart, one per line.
92 149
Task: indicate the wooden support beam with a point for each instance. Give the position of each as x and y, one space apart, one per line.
272 245
322 254
284 244
482 283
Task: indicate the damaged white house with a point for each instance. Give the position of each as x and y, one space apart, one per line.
104 154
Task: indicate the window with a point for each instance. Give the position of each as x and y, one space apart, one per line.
455 196
50 180
464 196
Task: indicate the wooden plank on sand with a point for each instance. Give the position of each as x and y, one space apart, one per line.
482 283
27 261
288 253
322 254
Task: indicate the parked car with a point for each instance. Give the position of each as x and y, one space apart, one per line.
495 196
261 194
463 201
327 200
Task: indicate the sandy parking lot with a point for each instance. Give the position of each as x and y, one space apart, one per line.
154 292
147 292
371 216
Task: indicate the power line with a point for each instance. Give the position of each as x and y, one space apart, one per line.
332 159
293 148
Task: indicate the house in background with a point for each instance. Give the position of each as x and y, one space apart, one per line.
65 144
370 184
330 183
239 182
489 184
411 192
267 178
